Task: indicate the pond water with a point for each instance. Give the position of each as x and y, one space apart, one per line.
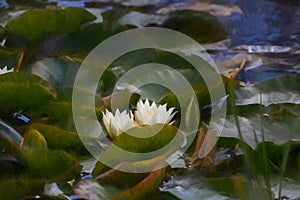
258 40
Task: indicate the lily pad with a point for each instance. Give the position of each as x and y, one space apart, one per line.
138 19
44 163
60 73
59 139
23 91
213 9
208 30
256 129
34 140
58 113
17 188
10 134
39 23
196 186
274 91
140 140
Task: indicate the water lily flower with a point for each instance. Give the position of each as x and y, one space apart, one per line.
5 70
115 125
150 115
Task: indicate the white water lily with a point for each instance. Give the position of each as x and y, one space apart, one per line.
5 70
150 115
115 125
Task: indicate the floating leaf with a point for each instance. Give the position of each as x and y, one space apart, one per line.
23 91
9 133
195 186
213 9
208 30
118 178
58 113
34 140
17 188
60 73
138 19
88 189
43 163
146 188
273 91
256 129
141 140
59 139
36 24
138 3
52 189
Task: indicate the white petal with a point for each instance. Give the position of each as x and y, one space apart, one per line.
161 115
106 120
147 103
154 114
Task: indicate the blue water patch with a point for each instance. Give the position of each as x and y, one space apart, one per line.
4 4
263 22
71 4
264 73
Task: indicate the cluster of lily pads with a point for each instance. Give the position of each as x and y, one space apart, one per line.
46 47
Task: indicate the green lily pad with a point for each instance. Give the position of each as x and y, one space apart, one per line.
45 163
17 188
208 30
34 140
59 139
23 91
49 164
140 140
84 40
36 24
58 113
60 73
